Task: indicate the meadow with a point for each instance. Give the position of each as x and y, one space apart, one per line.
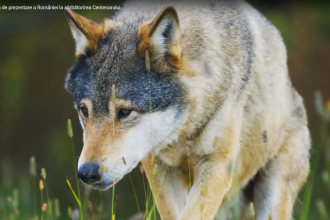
32 201
39 146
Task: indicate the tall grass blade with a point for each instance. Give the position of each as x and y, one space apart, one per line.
136 199
74 194
322 141
70 133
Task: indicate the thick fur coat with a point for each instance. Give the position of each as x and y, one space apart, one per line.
217 107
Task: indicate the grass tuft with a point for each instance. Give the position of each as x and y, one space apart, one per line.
314 204
70 133
74 194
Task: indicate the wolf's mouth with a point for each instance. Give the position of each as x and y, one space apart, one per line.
104 185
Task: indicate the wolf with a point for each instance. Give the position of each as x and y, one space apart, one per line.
199 92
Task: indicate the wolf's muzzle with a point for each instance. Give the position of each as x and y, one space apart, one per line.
89 173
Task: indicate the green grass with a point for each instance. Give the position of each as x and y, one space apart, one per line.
311 205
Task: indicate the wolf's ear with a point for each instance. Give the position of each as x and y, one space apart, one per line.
86 33
162 36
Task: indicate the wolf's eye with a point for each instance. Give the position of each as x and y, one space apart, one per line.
123 113
84 111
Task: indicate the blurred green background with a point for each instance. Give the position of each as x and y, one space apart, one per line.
36 52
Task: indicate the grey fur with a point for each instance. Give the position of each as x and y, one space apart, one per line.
117 63
234 85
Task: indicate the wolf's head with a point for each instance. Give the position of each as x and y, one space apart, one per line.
125 111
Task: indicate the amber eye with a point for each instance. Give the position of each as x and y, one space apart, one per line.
84 111
123 112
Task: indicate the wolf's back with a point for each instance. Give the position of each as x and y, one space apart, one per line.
227 33
245 52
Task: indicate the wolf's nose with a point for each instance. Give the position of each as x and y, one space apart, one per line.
89 173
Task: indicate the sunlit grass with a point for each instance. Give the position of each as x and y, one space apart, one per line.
310 207
43 174
70 133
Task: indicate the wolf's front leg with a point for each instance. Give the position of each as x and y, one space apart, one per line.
212 181
278 184
213 176
169 190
